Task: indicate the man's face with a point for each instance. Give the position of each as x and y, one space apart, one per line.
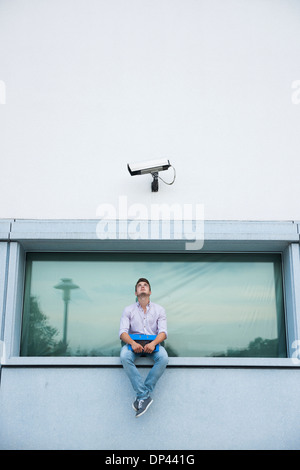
142 289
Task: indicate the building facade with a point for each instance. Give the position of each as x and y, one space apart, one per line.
233 309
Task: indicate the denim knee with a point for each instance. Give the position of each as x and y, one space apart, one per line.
163 356
125 354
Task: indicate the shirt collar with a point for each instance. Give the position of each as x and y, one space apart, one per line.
147 306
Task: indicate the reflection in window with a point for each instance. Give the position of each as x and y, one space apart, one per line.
228 305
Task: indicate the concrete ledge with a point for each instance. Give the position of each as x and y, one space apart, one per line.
146 362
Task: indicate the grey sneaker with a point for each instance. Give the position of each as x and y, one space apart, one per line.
143 406
135 405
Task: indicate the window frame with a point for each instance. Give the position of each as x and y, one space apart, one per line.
220 237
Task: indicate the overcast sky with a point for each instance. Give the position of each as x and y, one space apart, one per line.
87 86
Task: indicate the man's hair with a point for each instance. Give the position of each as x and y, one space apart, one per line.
142 279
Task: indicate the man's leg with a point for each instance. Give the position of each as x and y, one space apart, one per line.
128 357
161 360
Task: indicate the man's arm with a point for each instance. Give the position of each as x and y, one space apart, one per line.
149 347
136 347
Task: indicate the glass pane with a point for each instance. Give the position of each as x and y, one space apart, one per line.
216 304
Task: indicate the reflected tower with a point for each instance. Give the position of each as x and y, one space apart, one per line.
66 285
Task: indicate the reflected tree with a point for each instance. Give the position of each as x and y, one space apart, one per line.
259 347
38 337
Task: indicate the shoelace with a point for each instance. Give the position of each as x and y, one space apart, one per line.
140 402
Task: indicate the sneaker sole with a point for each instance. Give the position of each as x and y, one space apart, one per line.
140 414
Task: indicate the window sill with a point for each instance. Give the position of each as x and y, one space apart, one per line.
173 362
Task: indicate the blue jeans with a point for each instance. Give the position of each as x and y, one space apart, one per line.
141 388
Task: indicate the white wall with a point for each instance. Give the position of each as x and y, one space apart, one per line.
93 84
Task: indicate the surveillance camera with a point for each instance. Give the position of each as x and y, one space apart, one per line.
151 166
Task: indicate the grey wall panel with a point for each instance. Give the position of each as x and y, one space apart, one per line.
193 408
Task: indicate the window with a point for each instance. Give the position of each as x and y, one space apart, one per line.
218 305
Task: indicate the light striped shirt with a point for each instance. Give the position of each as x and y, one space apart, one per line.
135 321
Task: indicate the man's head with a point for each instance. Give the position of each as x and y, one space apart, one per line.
142 287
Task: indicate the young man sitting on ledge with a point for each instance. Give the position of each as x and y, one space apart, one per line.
143 318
